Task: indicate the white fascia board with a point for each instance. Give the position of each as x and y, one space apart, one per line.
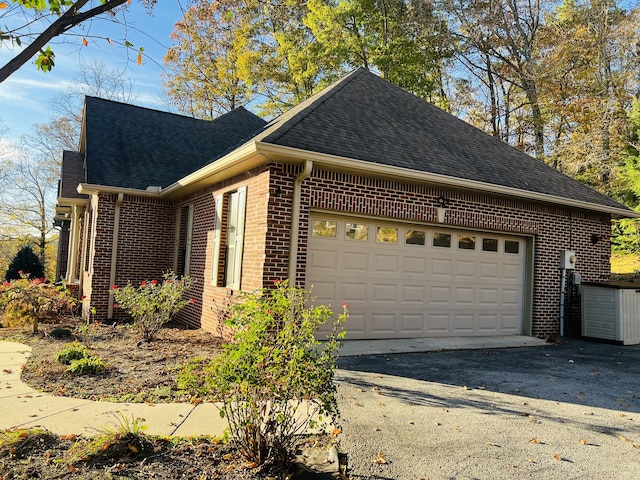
295 155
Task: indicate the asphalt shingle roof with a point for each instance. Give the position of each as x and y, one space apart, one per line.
135 147
71 175
367 118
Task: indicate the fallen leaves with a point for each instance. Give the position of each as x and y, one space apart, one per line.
379 460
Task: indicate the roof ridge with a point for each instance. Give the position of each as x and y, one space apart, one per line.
285 122
165 112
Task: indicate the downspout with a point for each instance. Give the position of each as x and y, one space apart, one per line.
114 252
295 220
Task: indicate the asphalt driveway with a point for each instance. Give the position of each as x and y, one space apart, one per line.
557 411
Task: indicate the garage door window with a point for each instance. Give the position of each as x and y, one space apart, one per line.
414 237
442 240
466 242
511 246
490 244
387 235
357 231
324 228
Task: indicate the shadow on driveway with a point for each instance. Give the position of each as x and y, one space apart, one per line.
579 372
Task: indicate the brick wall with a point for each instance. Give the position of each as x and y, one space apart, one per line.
145 247
148 229
209 298
553 229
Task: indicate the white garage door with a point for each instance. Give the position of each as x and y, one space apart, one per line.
408 281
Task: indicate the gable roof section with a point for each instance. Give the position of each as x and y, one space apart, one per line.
364 117
134 147
72 173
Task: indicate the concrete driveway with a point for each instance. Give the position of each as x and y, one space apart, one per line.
553 411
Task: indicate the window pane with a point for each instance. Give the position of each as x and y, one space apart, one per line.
387 235
324 228
511 246
414 237
441 240
466 242
357 231
490 244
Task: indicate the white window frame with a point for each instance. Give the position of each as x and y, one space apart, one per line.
234 238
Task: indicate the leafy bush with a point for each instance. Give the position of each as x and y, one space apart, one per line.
276 379
153 303
30 301
25 261
73 351
90 364
80 359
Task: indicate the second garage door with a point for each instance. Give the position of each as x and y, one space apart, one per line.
408 281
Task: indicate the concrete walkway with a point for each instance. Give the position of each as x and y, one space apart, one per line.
23 407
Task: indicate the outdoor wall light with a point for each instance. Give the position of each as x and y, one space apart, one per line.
443 201
595 238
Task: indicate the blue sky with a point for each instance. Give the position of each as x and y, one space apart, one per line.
25 97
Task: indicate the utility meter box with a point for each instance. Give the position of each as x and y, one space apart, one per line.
568 260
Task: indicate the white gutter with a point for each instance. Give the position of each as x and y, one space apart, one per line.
92 189
295 155
295 221
114 252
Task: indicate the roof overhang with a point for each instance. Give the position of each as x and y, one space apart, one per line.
349 165
255 153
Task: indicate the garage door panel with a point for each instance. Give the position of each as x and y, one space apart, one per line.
489 296
511 272
384 323
326 260
488 322
385 264
355 262
384 293
465 296
441 269
414 266
463 324
411 323
466 271
353 292
440 295
401 290
488 272
413 294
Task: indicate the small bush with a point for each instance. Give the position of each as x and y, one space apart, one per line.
91 365
153 303
80 360
30 301
73 351
276 379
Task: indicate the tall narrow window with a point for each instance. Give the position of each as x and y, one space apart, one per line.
184 224
228 239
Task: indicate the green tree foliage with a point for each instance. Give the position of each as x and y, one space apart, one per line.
25 263
230 52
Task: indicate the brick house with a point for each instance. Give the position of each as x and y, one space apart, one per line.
423 224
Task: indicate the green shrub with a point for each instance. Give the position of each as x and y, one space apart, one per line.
153 303
73 351
80 360
276 379
91 364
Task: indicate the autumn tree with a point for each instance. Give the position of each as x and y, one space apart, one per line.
32 24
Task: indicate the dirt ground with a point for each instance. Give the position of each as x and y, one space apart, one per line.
137 372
